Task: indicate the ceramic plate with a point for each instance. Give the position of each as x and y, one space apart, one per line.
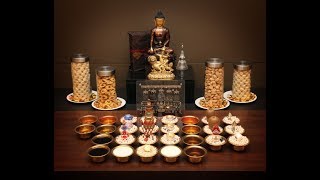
227 94
123 102
71 100
197 102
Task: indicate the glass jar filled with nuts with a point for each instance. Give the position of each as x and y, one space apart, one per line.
241 85
106 88
80 73
214 84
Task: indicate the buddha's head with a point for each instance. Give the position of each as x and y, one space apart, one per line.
159 19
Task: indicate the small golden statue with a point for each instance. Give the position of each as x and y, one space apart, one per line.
160 52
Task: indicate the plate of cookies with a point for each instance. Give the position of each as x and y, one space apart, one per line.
200 102
250 98
109 105
72 99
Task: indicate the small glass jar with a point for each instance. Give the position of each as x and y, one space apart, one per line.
106 88
80 72
241 86
214 83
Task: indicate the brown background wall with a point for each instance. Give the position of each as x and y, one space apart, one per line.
230 29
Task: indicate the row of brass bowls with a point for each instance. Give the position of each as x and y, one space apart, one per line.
98 154
86 128
91 119
85 131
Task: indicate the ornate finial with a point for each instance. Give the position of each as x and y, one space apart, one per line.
182 64
182 53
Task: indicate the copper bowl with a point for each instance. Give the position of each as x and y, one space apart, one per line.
103 139
106 128
85 131
190 120
170 159
191 129
110 120
122 158
195 153
88 119
192 140
98 153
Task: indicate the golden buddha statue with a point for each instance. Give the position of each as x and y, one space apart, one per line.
160 51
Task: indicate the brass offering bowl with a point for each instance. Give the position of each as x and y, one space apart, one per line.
85 131
190 120
98 153
122 157
191 129
170 159
238 147
216 147
147 159
103 139
195 153
110 120
88 119
106 128
192 140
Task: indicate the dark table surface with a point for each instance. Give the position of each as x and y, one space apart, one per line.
70 153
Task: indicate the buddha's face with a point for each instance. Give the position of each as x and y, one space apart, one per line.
159 22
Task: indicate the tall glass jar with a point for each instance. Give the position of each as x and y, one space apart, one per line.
241 86
106 88
80 72
214 83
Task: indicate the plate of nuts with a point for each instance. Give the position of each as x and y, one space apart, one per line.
228 95
200 102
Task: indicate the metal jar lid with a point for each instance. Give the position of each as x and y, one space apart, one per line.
79 58
214 63
105 71
243 66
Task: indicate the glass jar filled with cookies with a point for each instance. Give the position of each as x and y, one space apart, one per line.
80 72
241 85
214 84
106 88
